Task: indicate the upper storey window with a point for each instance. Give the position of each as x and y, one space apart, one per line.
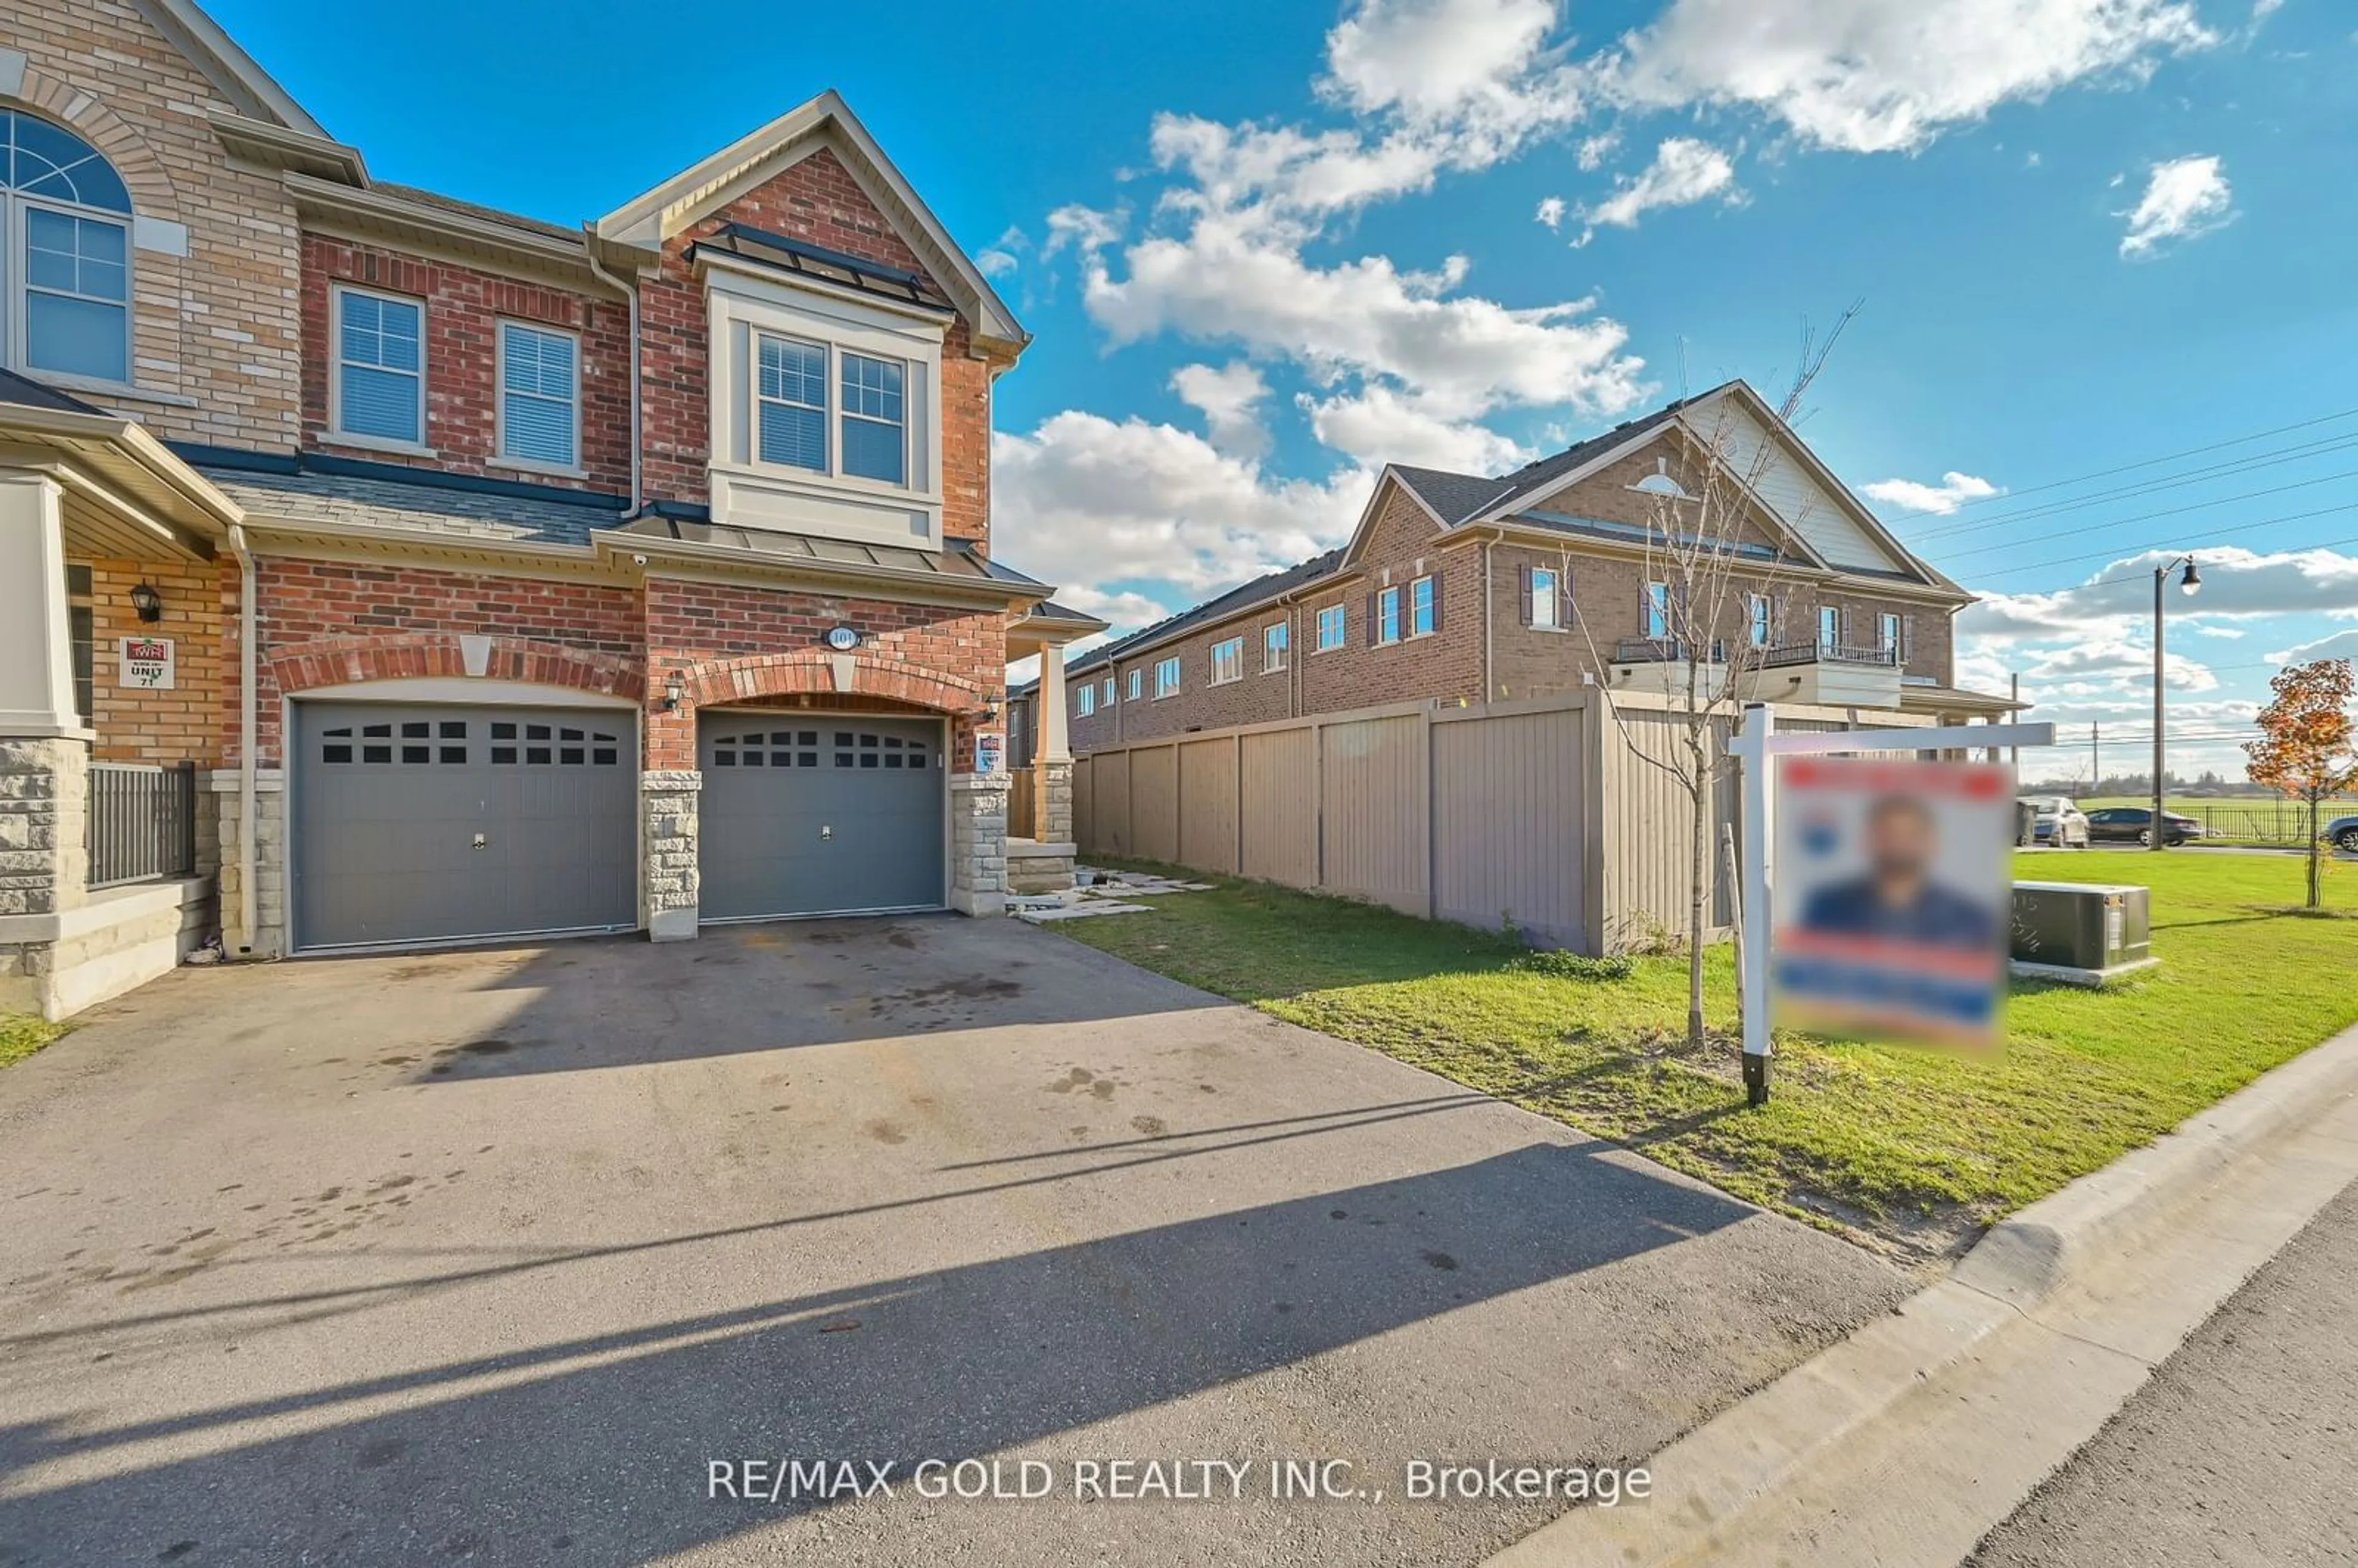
65 253
540 397
379 394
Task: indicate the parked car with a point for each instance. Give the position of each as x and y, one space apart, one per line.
2134 824
2057 821
2342 833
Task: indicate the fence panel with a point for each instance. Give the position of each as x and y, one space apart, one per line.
1508 824
1085 807
1208 803
1154 803
1376 814
1111 789
142 822
1280 805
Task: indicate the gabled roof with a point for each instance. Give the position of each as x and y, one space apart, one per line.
230 69
1258 591
654 216
1452 497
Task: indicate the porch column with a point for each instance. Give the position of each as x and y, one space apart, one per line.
37 695
1051 755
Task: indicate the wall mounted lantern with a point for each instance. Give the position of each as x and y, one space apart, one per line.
148 601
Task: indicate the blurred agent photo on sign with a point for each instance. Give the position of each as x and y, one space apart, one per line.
1890 900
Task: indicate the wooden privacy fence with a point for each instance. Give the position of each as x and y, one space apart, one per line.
1543 813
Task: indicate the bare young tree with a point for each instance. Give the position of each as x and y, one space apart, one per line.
1713 618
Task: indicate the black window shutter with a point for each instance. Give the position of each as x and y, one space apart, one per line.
1564 608
1523 597
1374 629
1436 602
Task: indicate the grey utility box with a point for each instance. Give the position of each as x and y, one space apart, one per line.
2081 931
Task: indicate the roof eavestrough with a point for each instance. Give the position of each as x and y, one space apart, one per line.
649 219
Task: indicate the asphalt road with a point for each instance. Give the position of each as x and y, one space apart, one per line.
493 1256
2242 1448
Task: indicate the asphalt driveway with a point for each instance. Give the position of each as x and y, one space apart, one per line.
497 1254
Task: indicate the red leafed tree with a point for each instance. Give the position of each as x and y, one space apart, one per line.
2305 746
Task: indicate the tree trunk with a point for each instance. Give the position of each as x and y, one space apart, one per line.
2316 857
1697 844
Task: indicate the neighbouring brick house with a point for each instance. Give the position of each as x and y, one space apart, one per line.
1462 589
380 569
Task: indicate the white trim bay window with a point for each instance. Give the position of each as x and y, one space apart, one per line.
65 254
377 378
1332 631
1227 660
1166 677
825 413
540 397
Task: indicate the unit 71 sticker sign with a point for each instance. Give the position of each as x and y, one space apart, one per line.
146 664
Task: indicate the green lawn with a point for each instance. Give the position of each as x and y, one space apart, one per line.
21 1034
1915 1152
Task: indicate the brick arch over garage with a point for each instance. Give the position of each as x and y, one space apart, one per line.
338 661
671 735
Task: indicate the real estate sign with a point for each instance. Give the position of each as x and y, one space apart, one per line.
1890 901
146 664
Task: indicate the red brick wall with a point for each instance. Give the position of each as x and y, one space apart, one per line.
463 309
816 200
935 656
303 601
1402 544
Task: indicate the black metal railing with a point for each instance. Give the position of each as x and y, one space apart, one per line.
143 822
1827 654
1663 651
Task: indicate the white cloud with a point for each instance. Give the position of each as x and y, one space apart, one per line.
1083 229
1004 254
1551 211
1684 171
1595 150
1889 75
2203 629
2338 645
1436 58
2184 198
1379 426
1229 401
1088 503
1954 491
2118 599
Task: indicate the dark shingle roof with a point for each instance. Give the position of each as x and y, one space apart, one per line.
1455 496
473 210
1257 592
1458 496
28 394
341 501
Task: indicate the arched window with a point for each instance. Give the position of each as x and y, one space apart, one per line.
65 253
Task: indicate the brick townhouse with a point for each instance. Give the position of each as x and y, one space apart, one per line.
1459 588
380 569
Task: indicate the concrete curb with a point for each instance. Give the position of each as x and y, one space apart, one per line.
1754 1454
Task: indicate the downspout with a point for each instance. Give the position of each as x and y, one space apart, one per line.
630 294
248 736
1490 681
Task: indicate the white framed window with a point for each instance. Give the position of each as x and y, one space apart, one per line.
1388 615
540 396
1658 610
65 254
1088 699
1227 660
1137 683
790 411
379 370
1275 639
1886 633
1829 626
1423 610
1762 620
875 418
1166 676
1546 590
1108 691
1332 629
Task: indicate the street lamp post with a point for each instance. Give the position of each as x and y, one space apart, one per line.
2190 582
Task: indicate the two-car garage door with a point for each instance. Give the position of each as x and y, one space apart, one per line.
442 823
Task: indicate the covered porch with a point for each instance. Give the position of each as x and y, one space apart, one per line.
1041 847
114 606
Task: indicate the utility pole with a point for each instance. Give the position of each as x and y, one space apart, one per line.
2014 753
2096 758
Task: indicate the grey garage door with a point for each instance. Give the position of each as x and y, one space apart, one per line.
819 814
429 823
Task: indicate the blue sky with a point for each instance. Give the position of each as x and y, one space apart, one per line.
1267 247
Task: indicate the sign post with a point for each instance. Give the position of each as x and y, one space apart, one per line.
1755 746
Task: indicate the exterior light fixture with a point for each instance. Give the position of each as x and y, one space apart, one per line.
148 601
2190 582
991 711
675 691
